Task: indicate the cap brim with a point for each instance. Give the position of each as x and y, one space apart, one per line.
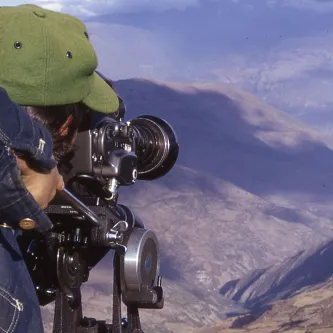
102 97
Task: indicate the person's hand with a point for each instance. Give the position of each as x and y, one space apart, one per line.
43 187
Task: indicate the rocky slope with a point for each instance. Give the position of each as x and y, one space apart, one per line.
257 289
310 311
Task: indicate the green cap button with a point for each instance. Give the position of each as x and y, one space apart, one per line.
40 13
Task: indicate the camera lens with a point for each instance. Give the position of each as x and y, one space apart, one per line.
157 146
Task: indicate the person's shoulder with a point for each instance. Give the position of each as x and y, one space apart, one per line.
26 136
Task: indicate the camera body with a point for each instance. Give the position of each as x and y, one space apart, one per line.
108 151
88 221
118 153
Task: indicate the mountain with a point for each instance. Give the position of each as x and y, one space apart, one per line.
252 187
295 295
239 42
259 288
310 311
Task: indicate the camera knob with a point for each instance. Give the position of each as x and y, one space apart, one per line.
94 158
124 322
115 237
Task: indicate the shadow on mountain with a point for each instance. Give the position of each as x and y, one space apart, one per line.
260 288
235 137
169 268
287 214
233 285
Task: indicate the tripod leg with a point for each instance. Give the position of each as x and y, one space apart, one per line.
134 324
116 315
66 319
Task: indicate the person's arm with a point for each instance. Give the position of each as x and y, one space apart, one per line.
16 202
24 191
42 186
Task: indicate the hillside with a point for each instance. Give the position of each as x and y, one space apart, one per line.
294 296
252 187
259 288
310 311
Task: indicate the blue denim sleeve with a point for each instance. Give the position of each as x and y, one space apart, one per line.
26 136
16 203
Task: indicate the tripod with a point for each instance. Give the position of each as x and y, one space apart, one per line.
60 263
68 315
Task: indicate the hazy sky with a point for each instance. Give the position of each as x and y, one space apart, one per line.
280 50
96 7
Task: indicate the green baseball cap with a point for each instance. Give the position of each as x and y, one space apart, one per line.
46 59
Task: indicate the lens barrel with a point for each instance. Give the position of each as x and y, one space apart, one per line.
156 144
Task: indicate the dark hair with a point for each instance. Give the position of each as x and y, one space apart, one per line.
53 118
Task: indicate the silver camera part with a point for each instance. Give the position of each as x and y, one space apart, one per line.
141 263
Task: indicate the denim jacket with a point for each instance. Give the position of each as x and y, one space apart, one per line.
31 141
19 305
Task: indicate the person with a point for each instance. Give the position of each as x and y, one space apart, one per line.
28 182
48 67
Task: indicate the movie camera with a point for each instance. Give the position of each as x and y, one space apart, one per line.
89 222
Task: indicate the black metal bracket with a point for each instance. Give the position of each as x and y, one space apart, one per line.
68 314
